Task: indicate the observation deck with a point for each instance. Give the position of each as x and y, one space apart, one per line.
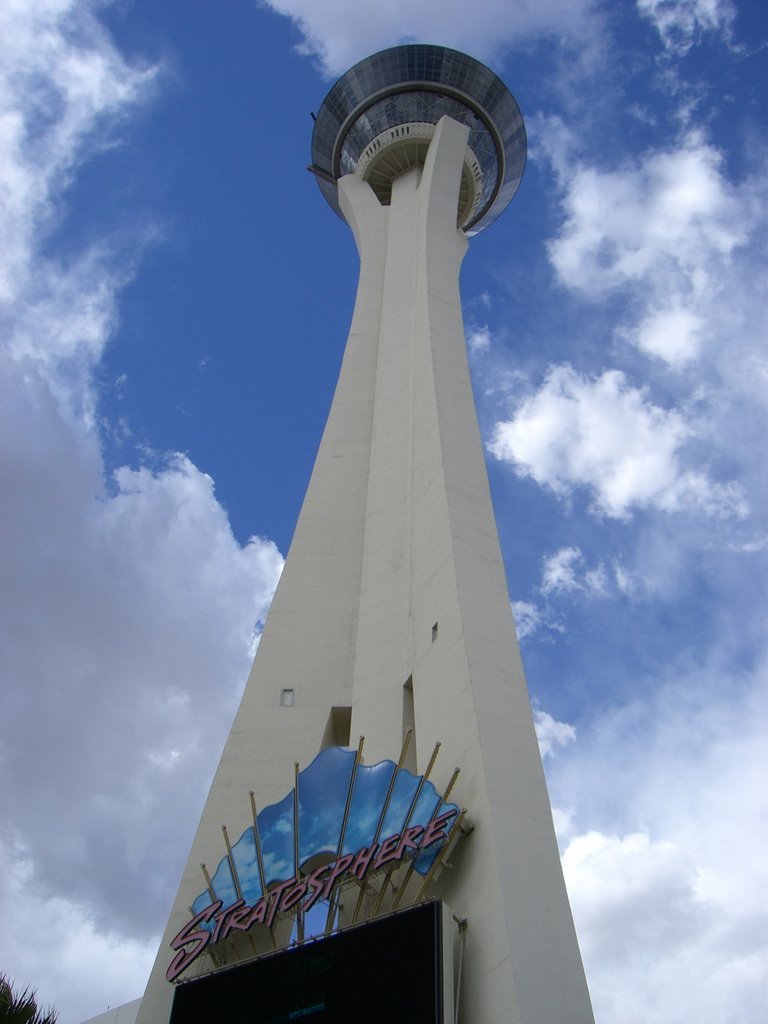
379 117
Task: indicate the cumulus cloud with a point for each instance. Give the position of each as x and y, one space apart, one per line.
334 33
665 904
672 334
666 253
129 607
663 230
681 23
603 434
674 208
54 937
62 85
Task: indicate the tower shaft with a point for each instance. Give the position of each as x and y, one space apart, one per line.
393 603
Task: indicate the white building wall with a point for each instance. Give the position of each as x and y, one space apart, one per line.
125 1014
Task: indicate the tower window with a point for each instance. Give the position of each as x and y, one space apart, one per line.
287 698
409 723
434 633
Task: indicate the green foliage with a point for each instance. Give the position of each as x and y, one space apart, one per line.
20 1007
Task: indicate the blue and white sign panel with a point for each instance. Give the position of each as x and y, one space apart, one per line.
342 821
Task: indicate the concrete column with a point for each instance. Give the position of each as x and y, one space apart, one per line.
434 607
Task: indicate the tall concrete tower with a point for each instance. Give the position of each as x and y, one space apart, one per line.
392 619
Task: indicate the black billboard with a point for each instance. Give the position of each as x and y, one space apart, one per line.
390 969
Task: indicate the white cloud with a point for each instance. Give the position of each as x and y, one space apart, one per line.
535 617
596 580
627 582
565 572
334 32
135 610
62 86
603 434
550 733
673 213
681 23
479 340
53 937
559 574
664 897
750 546
129 608
528 618
671 334
664 232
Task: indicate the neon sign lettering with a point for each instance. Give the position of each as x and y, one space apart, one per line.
194 937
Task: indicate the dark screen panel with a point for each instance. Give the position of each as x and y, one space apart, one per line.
387 970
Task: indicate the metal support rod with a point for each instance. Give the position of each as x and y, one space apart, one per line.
296 819
438 859
443 799
394 866
232 868
296 849
319 172
383 814
344 821
462 924
257 844
208 883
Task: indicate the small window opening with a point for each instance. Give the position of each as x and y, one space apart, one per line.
337 728
287 698
434 633
409 722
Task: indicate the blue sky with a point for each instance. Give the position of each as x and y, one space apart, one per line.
174 301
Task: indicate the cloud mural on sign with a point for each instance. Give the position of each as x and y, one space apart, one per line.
342 821
323 790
